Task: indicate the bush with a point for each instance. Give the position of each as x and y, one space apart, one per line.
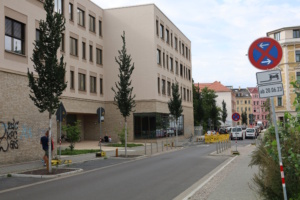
121 135
73 133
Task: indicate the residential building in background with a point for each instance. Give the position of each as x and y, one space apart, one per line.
243 103
223 93
161 54
260 114
289 39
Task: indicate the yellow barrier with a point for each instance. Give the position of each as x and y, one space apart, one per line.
215 138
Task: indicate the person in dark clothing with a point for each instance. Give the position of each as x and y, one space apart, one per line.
44 142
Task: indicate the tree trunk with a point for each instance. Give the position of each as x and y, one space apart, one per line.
49 143
176 133
125 137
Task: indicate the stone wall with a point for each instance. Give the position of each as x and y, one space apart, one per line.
16 104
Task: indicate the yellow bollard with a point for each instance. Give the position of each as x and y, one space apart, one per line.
116 152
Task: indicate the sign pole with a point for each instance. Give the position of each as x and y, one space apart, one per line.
278 148
100 131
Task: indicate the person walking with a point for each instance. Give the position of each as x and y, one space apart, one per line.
44 142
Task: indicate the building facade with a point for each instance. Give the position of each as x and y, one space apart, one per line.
289 39
161 54
243 103
260 112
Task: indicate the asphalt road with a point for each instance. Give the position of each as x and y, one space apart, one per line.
159 177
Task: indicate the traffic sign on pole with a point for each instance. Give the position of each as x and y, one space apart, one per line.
236 117
265 53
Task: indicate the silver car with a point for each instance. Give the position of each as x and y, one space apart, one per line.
250 132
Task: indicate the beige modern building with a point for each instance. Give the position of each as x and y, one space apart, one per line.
160 51
289 39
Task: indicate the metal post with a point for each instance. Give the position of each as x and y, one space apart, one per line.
167 143
156 146
59 138
100 131
151 147
145 148
162 145
217 147
278 149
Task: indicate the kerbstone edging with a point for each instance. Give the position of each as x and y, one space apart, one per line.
47 176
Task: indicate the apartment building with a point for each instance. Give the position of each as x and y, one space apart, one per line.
223 94
160 51
289 39
259 111
243 103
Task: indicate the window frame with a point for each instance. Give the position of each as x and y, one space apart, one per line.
92 23
76 46
158 56
297 55
71 12
93 86
91 53
81 80
100 28
82 12
83 48
99 56
72 80
101 86
13 37
296 33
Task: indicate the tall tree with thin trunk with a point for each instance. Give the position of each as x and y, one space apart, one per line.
48 85
175 106
123 93
224 112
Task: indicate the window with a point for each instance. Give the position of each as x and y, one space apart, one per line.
92 84
81 81
167 36
237 102
176 67
188 95
158 84
248 101
70 11
101 86
253 102
91 53
14 36
100 28
99 56
80 16
249 109
161 32
171 64
164 59
298 76
171 40
245 101
277 36
71 79
189 74
296 33
257 116
158 56
238 109
181 69
92 23
297 56
73 46
58 6
157 27
163 86
242 109
37 34
186 52
83 50
175 42
179 46
167 59
182 49
279 101
62 42
169 88
184 94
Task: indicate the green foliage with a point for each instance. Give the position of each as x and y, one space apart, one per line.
73 133
175 103
244 118
9 175
197 106
224 112
265 156
123 93
128 145
49 84
77 151
121 135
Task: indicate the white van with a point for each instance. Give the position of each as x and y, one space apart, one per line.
237 132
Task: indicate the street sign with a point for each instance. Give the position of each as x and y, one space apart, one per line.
236 117
265 53
61 113
268 77
100 113
274 90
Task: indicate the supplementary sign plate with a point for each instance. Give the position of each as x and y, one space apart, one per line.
274 90
268 77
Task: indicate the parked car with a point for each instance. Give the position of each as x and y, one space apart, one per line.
211 132
237 132
222 131
250 132
229 129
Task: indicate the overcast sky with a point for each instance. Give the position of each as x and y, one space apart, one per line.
221 32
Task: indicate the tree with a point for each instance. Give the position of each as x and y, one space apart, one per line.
244 117
267 108
224 112
73 133
175 106
49 85
197 106
210 110
123 98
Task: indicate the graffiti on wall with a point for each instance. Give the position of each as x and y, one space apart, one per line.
9 135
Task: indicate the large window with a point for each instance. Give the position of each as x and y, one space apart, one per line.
167 36
161 31
297 56
181 70
279 101
99 56
58 6
91 53
176 67
92 84
298 76
171 64
101 86
73 46
14 36
158 56
83 50
92 23
169 88
163 86
296 33
71 79
81 81
157 27
71 11
37 34
158 85
277 36
100 28
80 17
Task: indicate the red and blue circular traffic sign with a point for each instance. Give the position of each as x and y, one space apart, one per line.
265 53
236 117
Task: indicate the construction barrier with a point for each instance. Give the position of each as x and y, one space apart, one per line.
212 138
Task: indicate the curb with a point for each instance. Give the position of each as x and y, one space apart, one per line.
46 176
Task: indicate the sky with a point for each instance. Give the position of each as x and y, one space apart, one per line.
221 32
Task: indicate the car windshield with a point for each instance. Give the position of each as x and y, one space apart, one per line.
250 130
236 129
